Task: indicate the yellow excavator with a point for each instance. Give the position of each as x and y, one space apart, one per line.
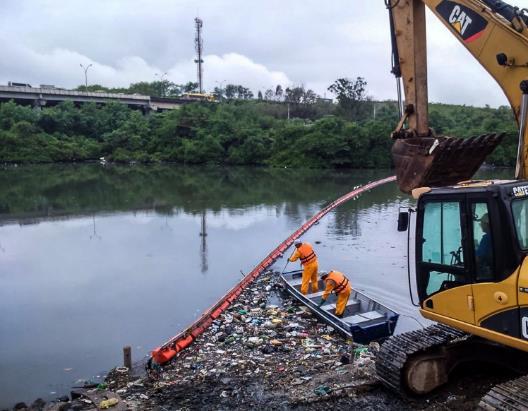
471 237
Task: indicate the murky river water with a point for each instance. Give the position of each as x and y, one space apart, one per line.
93 258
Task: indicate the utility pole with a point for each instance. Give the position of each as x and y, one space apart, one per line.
86 74
198 45
222 90
161 85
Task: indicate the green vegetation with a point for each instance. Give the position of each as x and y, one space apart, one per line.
238 130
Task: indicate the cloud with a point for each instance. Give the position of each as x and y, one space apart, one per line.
237 69
62 68
257 44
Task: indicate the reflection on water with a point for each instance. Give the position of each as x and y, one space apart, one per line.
203 247
94 258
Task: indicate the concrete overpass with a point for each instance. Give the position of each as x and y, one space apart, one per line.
49 96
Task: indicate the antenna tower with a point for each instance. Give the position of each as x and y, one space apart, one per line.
198 45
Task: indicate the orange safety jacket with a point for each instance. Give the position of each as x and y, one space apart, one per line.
341 282
306 253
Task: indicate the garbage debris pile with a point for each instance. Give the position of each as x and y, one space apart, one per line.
257 354
264 352
89 398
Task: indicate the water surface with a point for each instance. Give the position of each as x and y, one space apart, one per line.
93 258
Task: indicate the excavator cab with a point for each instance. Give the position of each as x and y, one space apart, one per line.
470 248
471 241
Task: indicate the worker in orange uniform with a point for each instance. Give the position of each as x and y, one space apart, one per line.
339 284
305 252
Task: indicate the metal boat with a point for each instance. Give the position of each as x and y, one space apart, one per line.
364 319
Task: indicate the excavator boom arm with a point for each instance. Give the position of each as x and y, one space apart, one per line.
496 34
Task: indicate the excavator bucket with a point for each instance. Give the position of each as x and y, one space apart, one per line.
439 161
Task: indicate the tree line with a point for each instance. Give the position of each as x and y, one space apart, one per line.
293 94
306 132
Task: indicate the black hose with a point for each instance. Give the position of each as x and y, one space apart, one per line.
389 5
505 10
395 55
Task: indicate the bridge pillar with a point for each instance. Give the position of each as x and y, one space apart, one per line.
146 109
39 103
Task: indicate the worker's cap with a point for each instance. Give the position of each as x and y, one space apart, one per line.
297 243
323 274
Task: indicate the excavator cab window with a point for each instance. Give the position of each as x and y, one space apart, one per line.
482 242
520 217
442 263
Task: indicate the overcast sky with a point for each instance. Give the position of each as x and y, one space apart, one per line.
256 43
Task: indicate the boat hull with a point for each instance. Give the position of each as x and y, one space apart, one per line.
364 319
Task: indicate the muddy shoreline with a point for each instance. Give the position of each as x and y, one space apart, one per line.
267 352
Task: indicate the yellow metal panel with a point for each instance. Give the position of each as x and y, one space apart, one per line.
509 78
490 298
455 303
476 330
476 46
498 37
523 283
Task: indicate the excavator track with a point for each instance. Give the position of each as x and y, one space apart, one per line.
395 354
511 395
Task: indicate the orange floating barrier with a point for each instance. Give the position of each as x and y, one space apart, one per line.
171 348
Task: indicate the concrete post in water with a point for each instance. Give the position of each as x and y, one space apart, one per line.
127 357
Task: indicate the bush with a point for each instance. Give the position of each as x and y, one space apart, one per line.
237 132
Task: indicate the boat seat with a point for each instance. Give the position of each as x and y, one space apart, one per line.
372 315
351 305
363 317
315 295
354 319
295 282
